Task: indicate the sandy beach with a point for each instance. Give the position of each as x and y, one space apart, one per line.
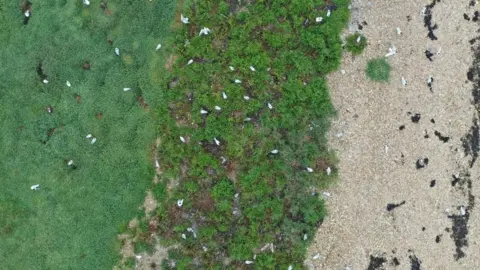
407 185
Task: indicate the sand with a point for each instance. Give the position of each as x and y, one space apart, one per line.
417 234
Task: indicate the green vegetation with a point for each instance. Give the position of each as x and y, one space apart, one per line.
378 70
239 196
71 222
355 43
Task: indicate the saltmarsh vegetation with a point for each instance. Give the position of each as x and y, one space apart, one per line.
378 69
243 201
355 43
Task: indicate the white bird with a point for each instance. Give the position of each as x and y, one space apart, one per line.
204 248
399 31
231 68
69 84
184 19
35 187
391 51
238 81
223 159
386 149
184 236
224 95
236 195
269 105
27 13
404 82
248 262
180 203
342 71
430 80
182 139
93 140
126 89
305 237
252 68
246 97
45 81
217 142
157 165
359 38
316 256
117 51
70 162
49 109
274 151
89 136
328 13
138 257
189 229
290 267
462 211
205 31
190 62
254 256
217 108
159 46
248 119
423 12
202 111
86 2
318 19
309 169
329 171
326 194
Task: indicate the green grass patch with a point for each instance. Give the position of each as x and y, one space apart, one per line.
243 171
72 221
355 43
378 69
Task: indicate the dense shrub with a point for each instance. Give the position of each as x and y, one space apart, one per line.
378 70
355 43
239 196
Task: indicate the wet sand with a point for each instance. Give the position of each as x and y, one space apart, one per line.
379 143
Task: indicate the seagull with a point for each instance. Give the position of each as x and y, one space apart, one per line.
182 139
35 187
217 108
316 256
305 237
329 171
126 89
158 47
93 140
138 257
309 169
217 142
157 165
190 62
224 95
252 68
274 151
423 12
248 262
184 19
69 84
248 119
342 71
404 82
184 236
45 81
238 81
70 162
27 13
49 109
359 38
246 97
462 211
231 68
205 31
326 194
117 51
204 248
269 105
328 13
399 31
89 136
391 51
318 19
223 159
290 267
430 80
386 149
202 111
180 203
86 2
